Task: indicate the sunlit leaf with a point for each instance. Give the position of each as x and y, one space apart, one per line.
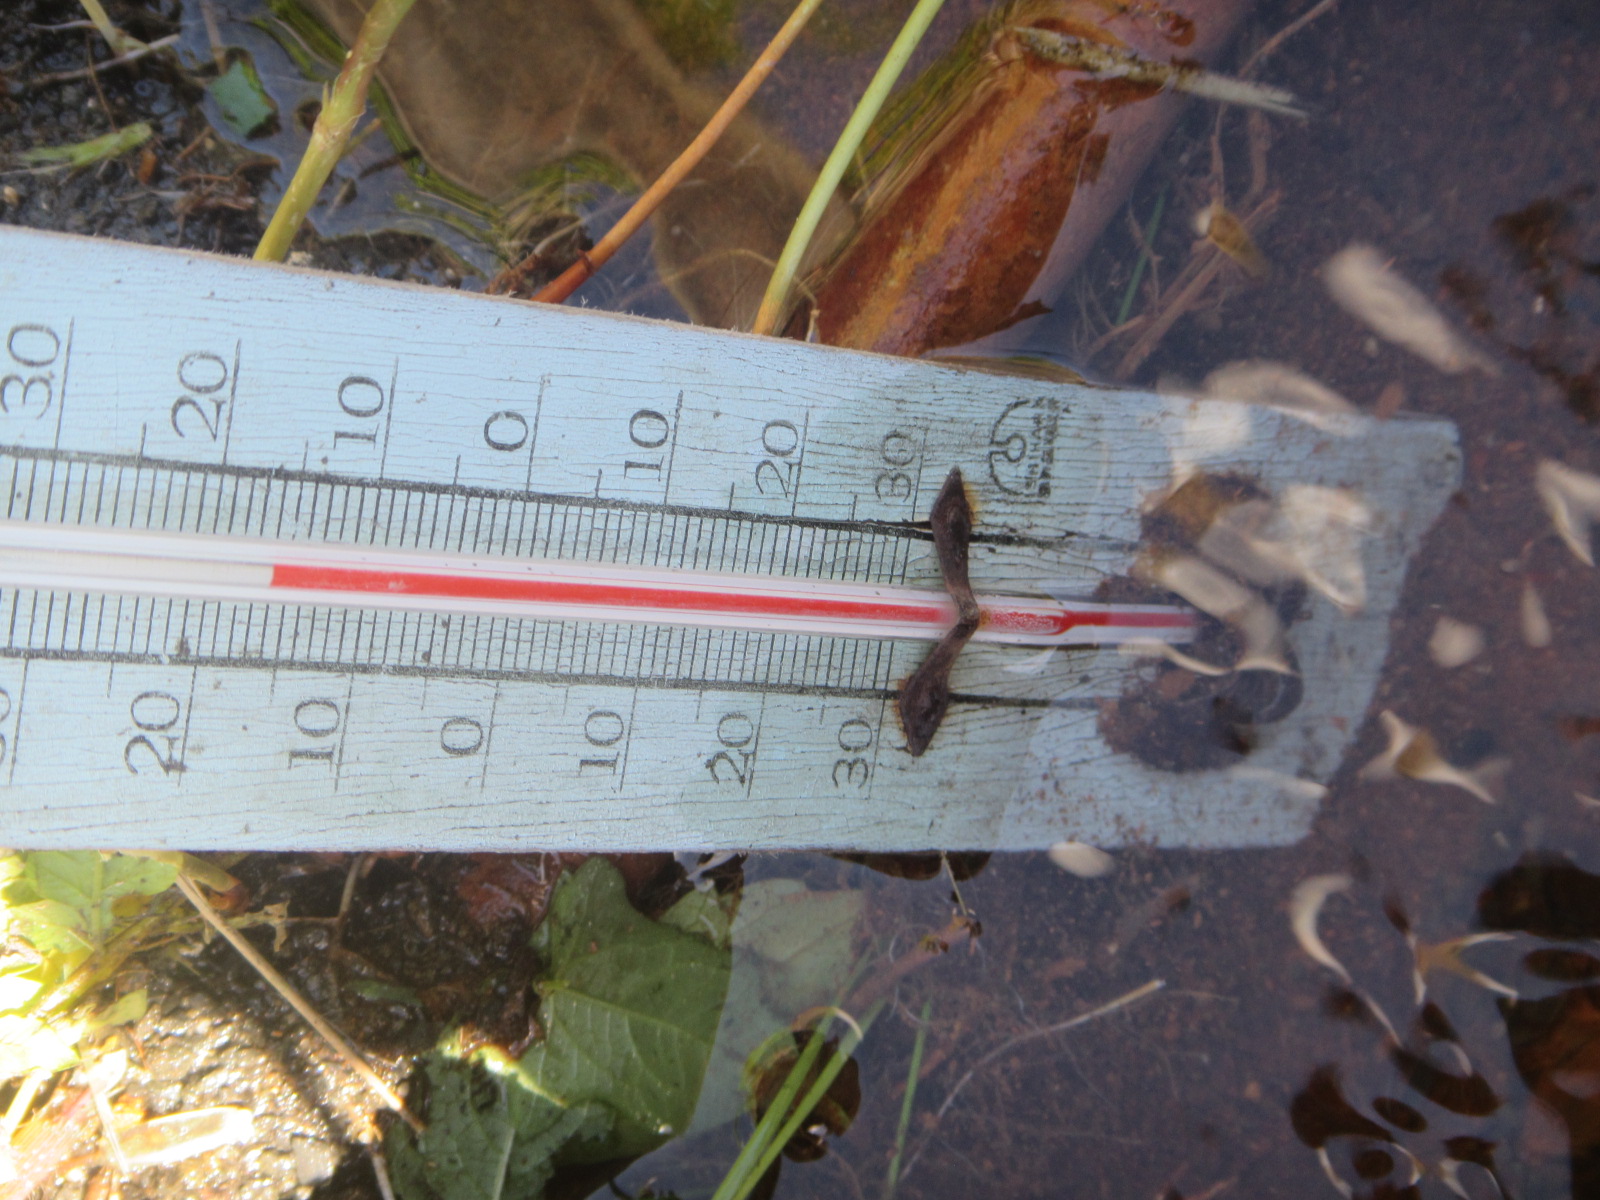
27 1044
66 899
629 1008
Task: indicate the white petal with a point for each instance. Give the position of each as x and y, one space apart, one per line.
1535 623
1455 643
1572 498
1083 860
1367 288
1305 906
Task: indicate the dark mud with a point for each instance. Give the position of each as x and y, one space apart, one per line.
1464 141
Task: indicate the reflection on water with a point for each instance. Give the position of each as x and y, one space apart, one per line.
1458 150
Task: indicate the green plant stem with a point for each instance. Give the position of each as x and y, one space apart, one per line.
783 1118
342 108
1144 258
908 1103
119 42
844 150
740 1177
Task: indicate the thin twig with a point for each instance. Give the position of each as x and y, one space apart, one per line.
1185 292
299 1003
115 38
345 103
380 1171
1269 46
559 288
1138 993
121 60
776 298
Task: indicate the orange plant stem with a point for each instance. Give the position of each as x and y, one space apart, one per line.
573 277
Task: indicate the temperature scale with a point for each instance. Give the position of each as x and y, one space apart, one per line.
297 560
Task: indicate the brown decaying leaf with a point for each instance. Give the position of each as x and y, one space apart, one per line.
1228 234
926 695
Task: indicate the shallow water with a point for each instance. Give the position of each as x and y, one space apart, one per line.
1462 141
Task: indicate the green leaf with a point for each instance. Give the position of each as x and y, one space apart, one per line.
27 1044
18 987
242 102
630 1007
51 927
126 1010
630 1012
704 914
64 900
488 1137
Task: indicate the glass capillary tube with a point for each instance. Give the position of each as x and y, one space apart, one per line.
246 570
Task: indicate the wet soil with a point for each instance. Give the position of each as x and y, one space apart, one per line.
1463 141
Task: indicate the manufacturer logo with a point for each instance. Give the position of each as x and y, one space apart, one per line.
1023 447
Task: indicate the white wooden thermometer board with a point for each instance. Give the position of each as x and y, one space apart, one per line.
199 413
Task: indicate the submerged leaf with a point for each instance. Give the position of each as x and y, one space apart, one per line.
488 1137
793 950
242 100
630 1009
1104 61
